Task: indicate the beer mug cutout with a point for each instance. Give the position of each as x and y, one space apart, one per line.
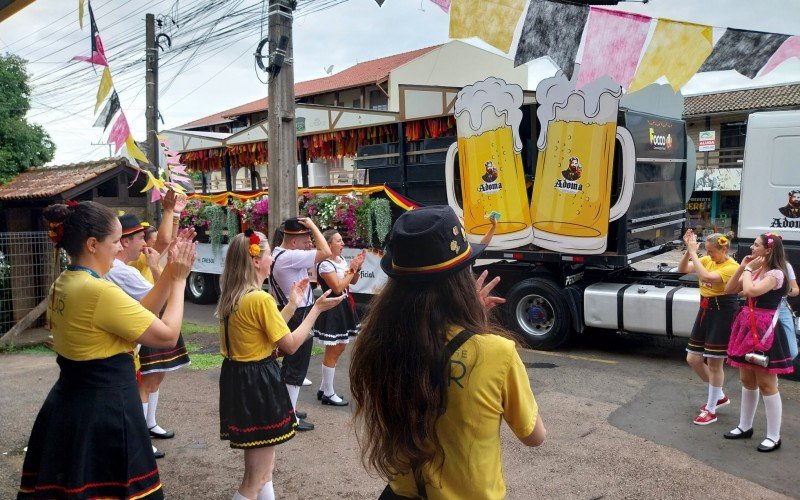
492 179
570 207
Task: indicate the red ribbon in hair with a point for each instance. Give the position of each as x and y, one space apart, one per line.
72 203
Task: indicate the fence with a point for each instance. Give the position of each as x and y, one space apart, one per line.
27 269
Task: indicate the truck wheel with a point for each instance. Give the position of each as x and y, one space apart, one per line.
537 310
201 288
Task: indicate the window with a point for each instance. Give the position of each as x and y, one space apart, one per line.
108 189
378 101
731 144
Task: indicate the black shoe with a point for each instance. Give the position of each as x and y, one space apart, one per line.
302 425
162 435
326 400
740 435
767 449
319 395
158 453
301 414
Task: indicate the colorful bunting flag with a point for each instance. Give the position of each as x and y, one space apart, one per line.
614 42
134 151
80 13
744 51
442 4
789 49
119 132
676 51
108 112
552 29
104 89
493 21
380 2
98 53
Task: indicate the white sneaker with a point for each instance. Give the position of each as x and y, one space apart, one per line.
306 382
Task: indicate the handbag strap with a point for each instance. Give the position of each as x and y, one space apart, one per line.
754 330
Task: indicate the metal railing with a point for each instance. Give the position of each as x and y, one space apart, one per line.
27 269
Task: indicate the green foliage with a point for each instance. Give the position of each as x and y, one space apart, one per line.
193 328
382 212
217 217
205 361
232 222
22 145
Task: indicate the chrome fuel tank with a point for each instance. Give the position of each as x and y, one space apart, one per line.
667 310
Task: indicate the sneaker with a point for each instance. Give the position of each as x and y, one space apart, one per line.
705 418
720 403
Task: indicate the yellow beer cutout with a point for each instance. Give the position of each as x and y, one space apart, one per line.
488 115
570 208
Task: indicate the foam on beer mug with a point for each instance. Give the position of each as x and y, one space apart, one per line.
597 102
491 104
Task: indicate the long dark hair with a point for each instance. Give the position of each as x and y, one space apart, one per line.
398 371
79 222
777 257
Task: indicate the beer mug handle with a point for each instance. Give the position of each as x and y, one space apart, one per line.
450 179
628 174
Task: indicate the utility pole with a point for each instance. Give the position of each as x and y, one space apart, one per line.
281 146
109 144
151 109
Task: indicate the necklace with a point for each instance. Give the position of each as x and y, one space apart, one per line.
73 267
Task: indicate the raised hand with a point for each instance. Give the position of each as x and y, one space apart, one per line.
181 258
298 292
489 301
180 203
324 302
168 201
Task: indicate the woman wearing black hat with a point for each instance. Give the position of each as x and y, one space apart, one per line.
430 376
90 439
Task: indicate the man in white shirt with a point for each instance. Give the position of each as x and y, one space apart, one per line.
291 263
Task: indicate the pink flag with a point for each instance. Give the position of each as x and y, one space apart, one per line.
443 4
614 41
789 48
119 132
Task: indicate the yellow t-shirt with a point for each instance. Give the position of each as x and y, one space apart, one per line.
93 318
726 270
253 328
141 264
488 382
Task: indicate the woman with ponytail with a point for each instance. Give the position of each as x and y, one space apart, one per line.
255 412
708 342
431 377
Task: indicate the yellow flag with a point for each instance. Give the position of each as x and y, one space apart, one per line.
676 51
105 87
80 13
134 151
493 21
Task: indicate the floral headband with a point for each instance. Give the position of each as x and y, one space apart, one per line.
770 238
722 241
255 247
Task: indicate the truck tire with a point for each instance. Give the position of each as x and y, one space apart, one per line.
201 288
537 310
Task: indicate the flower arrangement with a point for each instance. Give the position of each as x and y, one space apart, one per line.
259 214
192 215
358 218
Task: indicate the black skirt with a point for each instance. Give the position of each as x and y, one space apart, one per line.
337 325
90 439
254 406
163 360
712 327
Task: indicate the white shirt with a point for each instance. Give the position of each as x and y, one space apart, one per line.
291 267
129 279
332 266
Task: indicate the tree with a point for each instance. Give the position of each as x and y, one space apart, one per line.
22 144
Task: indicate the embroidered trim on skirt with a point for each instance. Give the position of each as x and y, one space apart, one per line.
712 327
780 361
254 406
90 439
163 360
336 325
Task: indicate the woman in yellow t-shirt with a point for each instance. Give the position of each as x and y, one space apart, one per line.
430 376
708 343
255 412
89 439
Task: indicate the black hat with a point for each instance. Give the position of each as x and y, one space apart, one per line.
428 242
293 226
130 224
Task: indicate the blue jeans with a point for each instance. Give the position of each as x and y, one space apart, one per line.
787 322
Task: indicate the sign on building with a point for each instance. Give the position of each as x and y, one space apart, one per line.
707 140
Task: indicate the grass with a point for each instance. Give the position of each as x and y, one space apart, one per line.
194 328
317 350
34 349
205 361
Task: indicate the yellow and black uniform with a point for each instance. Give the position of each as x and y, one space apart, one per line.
89 439
254 406
487 383
712 328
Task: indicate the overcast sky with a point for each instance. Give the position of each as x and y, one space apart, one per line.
47 32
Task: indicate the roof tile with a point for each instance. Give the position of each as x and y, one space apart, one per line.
779 96
46 182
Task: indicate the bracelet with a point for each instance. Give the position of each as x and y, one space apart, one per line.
748 269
